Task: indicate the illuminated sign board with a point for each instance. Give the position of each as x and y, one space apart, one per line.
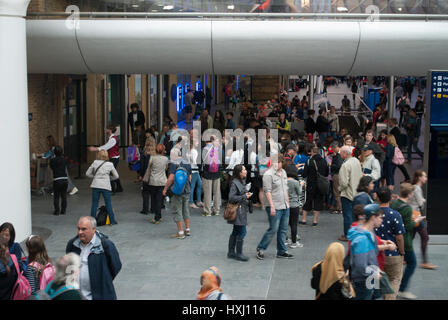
439 98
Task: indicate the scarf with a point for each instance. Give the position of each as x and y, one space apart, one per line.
332 268
209 283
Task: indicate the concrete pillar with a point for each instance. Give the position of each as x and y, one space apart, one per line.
311 89
390 98
15 197
160 102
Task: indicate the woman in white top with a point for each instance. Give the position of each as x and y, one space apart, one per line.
417 203
101 171
196 181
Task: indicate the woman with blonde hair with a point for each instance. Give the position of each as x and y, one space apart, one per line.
329 278
101 171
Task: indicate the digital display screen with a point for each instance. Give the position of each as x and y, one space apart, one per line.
439 98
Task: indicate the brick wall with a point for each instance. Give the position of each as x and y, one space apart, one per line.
49 5
45 98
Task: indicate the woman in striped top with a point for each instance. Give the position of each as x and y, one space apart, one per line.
39 271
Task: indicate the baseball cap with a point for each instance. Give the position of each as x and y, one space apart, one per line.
371 209
367 147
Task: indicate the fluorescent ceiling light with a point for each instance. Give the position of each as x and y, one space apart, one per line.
231 7
135 6
168 7
399 9
340 9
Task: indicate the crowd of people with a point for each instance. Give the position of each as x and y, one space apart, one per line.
322 167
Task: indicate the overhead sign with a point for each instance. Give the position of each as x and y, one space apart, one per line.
439 98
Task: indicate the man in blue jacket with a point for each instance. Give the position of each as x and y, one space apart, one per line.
363 253
100 262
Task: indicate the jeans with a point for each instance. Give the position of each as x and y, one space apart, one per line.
196 181
322 137
239 232
96 192
347 212
411 264
412 143
60 191
277 224
362 293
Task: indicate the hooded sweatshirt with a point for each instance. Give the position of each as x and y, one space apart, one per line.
363 253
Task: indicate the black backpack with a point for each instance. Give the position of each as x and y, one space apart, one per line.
101 216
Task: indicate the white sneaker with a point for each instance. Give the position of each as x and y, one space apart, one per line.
288 242
74 191
407 295
192 205
296 245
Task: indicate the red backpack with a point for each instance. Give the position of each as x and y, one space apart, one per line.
22 288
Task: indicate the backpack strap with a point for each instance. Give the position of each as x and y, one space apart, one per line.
16 263
220 296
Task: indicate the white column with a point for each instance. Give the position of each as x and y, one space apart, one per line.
15 196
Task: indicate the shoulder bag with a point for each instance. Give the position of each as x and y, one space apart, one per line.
322 182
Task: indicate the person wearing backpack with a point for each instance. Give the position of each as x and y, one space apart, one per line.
402 206
8 272
65 283
100 261
314 167
39 271
179 184
8 233
211 177
101 171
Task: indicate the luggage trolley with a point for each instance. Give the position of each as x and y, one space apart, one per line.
40 180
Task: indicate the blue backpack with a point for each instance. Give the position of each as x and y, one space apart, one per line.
180 180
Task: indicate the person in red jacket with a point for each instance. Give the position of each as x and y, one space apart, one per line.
113 150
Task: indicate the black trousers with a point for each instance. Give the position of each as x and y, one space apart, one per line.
156 199
293 219
116 184
60 192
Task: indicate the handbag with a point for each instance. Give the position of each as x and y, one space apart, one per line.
322 182
231 211
416 214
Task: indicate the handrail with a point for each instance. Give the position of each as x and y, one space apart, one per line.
376 17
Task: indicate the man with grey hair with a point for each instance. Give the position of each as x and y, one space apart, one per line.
100 262
349 176
65 284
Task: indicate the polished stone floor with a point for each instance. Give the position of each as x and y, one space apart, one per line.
158 267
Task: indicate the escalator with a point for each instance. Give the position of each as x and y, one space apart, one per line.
350 123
